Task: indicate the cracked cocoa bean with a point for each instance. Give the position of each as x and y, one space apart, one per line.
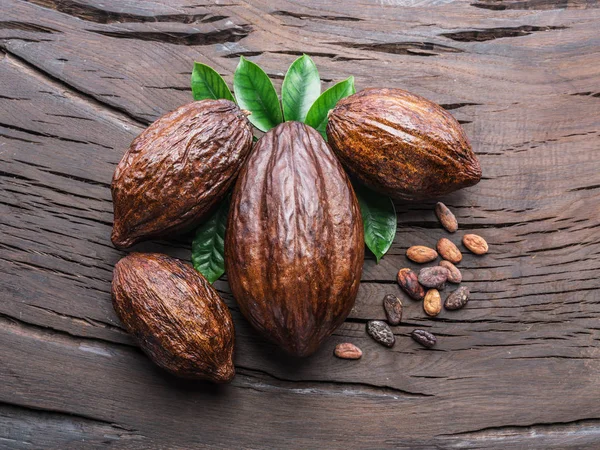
433 277
425 338
458 299
408 281
381 332
393 309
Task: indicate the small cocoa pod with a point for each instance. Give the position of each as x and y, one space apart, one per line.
401 144
454 275
446 217
409 283
425 338
393 309
432 304
381 332
475 244
449 251
175 315
433 277
458 298
347 350
421 254
177 170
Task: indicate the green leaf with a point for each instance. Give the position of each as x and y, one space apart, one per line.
254 92
208 247
317 114
207 83
379 220
301 87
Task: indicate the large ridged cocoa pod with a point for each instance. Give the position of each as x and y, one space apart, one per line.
176 316
294 244
401 144
178 169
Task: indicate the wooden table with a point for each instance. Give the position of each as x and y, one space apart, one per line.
519 367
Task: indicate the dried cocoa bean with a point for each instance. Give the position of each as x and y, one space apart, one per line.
381 332
421 254
475 244
446 218
458 298
425 338
433 277
432 304
449 251
347 351
408 281
454 275
393 309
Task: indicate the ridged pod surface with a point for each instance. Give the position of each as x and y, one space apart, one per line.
176 316
402 145
294 244
178 169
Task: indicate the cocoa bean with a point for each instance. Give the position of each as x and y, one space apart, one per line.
381 332
475 244
347 350
408 281
446 218
393 309
449 251
425 338
454 275
421 254
432 304
433 277
458 298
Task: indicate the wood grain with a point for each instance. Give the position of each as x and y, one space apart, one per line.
518 367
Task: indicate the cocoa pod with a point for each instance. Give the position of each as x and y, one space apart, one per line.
433 277
449 251
177 170
409 283
393 309
475 244
446 217
432 304
294 245
454 275
175 315
381 332
458 299
421 254
425 338
347 351
401 144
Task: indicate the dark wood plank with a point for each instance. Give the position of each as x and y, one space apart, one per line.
516 368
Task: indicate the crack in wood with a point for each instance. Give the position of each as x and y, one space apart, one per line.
489 34
502 5
94 14
314 16
402 48
228 35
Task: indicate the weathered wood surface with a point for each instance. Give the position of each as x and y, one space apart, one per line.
519 367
